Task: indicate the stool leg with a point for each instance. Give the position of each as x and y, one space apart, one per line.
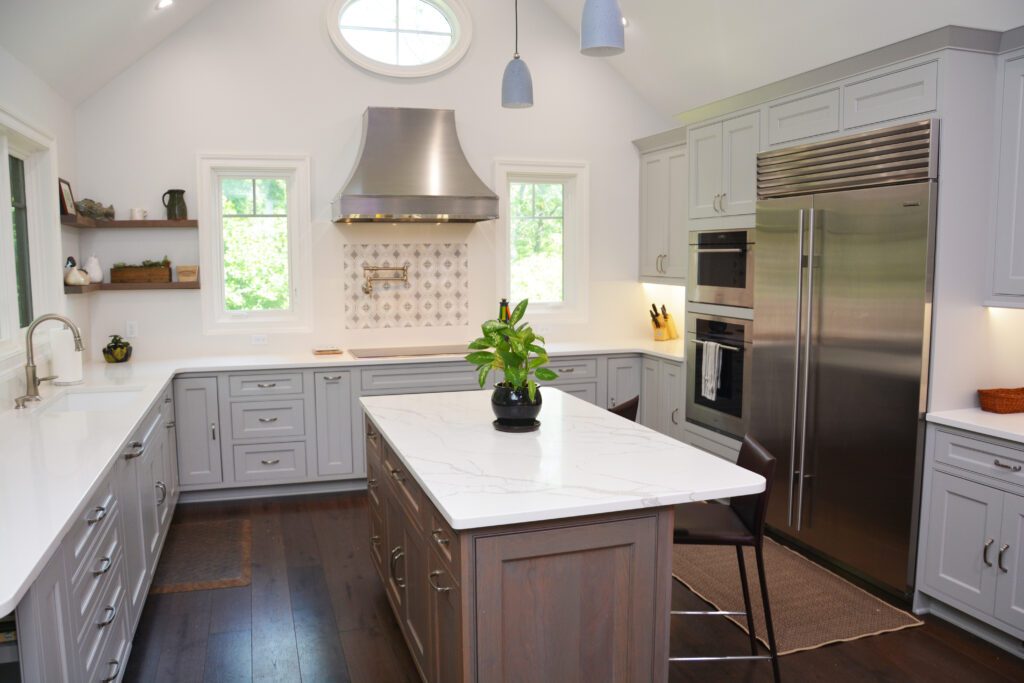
759 553
746 599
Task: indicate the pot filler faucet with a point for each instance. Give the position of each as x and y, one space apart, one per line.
32 382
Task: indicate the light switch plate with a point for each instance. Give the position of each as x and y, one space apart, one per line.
258 340
131 329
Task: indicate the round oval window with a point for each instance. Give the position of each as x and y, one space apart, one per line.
400 37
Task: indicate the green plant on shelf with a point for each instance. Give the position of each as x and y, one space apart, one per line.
165 263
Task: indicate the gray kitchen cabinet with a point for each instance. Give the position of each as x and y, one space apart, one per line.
803 117
1008 259
47 648
197 426
335 451
623 379
964 518
649 394
662 397
723 167
1009 605
893 95
663 232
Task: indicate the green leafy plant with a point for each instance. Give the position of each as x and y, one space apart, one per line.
513 348
165 263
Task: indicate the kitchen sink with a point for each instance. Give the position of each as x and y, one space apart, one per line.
396 351
93 400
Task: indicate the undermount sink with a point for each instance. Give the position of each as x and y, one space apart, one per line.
396 351
93 400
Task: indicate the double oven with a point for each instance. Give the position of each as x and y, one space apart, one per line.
720 295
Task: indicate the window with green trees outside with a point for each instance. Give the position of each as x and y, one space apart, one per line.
537 221
254 220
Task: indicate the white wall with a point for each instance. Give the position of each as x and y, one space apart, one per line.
26 96
251 76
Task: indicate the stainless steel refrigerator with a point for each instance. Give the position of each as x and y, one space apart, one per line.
842 320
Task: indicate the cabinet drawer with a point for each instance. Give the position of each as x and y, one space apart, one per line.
420 377
91 523
266 384
891 96
270 462
103 620
92 579
803 117
404 487
993 460
574 369
263 419
111 665
445 541
588 392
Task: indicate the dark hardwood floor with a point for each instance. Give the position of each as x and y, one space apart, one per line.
316 611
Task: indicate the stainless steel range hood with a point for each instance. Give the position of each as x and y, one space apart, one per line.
411 169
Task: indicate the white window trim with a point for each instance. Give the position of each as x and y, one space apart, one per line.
462 36
39 152
216 320
575 241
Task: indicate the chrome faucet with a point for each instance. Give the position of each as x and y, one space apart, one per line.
32 382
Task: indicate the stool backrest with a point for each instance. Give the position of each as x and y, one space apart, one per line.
627 409
753 509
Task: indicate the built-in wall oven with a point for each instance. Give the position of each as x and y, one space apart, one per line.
728 412
722 267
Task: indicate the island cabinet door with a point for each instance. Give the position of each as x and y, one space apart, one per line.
589 603
445 624
416 611
394 556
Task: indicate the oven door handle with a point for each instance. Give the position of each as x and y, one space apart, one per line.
724 346
721 250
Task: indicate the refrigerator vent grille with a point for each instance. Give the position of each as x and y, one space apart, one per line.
900 154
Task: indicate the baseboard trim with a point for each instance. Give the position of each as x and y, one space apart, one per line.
249 492
925 604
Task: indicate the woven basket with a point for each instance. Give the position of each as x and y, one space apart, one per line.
1002 400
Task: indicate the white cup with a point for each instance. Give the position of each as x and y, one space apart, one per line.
139 214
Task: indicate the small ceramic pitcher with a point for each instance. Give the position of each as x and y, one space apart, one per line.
174 200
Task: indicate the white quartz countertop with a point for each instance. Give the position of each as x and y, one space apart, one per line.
1008 426
51 462
582 461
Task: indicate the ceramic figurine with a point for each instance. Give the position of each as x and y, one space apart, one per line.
92 267
94 209
73 275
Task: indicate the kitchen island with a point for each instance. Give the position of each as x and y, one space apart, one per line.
543 556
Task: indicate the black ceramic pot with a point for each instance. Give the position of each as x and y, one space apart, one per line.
513 407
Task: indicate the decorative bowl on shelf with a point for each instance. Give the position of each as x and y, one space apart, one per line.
1002 400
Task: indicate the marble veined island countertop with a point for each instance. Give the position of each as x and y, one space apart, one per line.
583 460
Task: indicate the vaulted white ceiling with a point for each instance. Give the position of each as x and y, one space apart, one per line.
681 54
77 46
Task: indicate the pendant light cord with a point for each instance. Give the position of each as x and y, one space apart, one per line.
516 53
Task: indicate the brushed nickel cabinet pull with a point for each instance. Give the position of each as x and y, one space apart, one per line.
984 552
137 450
396 554
213 431
271 461
162 488
396 474
102 567
673 416
111 613
721 202
375 539
439 537
1012 468
433 582
567 371
266 385
332 378
999 558
267 420
98 513
170 425
114 672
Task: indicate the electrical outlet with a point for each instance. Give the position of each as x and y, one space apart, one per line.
258 340
131 329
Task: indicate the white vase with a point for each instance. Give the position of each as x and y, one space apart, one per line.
92 266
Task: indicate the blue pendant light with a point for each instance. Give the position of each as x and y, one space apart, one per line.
516 83
601 30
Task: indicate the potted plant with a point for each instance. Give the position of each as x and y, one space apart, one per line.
117 351
513 348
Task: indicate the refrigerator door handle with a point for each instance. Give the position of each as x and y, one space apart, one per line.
807 370
796 365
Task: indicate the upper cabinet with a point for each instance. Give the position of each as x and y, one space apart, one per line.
723 167
663 231
1008 271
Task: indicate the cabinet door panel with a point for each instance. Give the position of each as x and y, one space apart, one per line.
623 380
334 450
1010 584
705 177
741 138
1008 278
446 624
650 395
197 424
416 614
964 517
654 191
677 234
670 400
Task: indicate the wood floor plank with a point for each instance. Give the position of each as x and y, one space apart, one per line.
229 657
145 656
186 631
275 656
231 610
316 633
378 655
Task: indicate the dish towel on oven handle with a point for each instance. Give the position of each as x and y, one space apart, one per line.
711 370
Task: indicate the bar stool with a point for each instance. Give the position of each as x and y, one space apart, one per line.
740 523
627 409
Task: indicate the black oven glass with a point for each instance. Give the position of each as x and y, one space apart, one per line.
722 259
729 397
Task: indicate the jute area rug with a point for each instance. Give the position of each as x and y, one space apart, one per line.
811 606
205 555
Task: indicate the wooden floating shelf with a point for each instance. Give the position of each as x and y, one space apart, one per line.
122 286
85 222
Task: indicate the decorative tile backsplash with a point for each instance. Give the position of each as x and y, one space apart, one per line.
436 295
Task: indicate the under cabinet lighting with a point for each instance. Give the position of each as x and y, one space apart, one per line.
164 4
625 22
